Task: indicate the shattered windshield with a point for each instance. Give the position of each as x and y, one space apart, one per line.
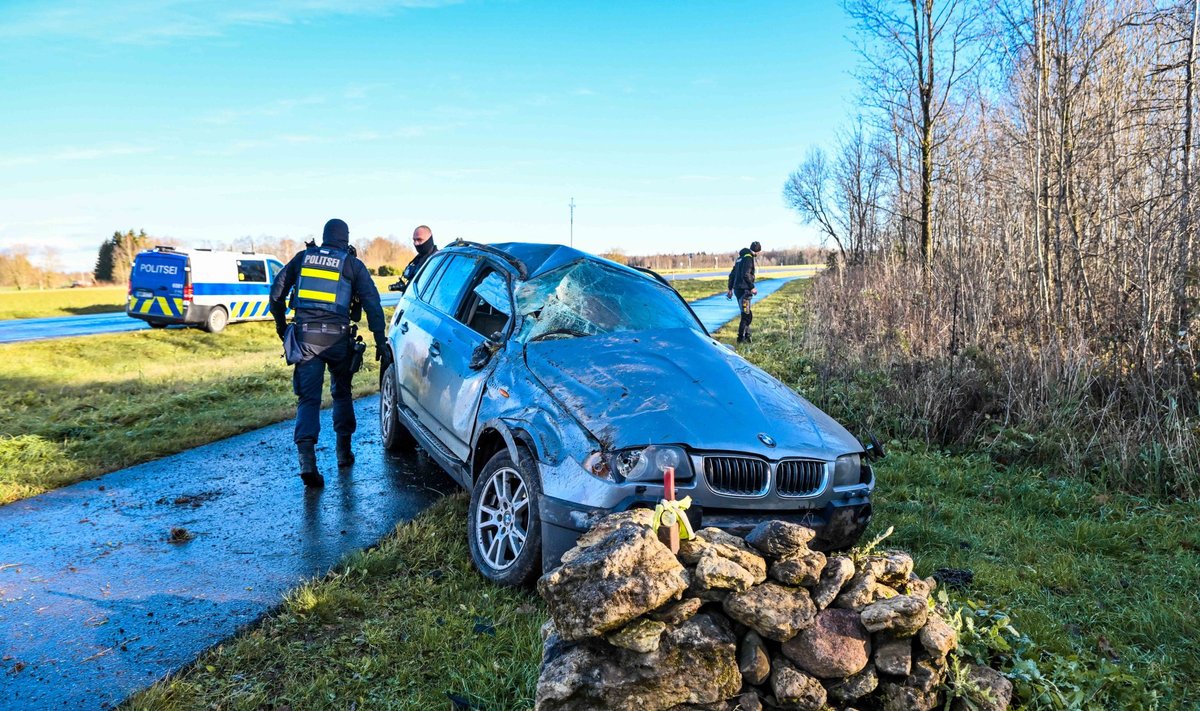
587 299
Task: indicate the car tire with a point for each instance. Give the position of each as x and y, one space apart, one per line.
504 528
396 437
157 324
216 320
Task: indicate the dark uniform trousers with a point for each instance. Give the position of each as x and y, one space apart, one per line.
308 380
743 297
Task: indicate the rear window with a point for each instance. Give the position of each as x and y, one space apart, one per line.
251 270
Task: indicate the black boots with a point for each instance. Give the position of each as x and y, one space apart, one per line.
308 465
345 457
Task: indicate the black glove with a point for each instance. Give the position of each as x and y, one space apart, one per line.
281 330
381 346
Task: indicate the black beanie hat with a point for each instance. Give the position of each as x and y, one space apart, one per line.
337 234
754 246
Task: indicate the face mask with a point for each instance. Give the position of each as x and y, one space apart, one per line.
425 247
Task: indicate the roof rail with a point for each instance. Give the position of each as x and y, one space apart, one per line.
203 249
163 248
520 266
654 274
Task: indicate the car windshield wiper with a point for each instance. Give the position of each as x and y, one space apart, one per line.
560 332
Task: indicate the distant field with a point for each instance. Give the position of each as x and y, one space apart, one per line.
61 302
75 302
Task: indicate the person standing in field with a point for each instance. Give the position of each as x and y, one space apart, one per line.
741 285
422 240
320 284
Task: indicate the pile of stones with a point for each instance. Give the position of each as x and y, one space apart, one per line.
744 623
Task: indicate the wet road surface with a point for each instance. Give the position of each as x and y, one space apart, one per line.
96 603
716 311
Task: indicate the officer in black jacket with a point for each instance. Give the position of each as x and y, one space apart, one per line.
741 285
423 243
320 284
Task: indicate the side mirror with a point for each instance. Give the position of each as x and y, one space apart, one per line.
482 355
875 449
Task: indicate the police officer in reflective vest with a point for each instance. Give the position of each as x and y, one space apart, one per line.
321 283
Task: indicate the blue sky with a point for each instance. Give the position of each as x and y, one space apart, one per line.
672 124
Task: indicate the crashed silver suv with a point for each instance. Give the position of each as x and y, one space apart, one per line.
554 385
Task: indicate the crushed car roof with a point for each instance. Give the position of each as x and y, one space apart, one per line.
541 258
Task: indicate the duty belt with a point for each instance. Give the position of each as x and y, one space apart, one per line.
337 329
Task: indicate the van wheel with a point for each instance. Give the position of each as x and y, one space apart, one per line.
218 317
157 324
504 528
396 437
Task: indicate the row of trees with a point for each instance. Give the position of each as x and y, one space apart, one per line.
1022 172
24 267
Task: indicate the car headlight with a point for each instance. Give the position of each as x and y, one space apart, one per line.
847 471
646 463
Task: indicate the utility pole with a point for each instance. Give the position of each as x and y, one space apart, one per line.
572 206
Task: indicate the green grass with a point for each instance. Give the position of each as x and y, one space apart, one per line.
397 627
34 303
74 408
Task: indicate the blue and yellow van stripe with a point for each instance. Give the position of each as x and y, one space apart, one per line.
156 306
248 309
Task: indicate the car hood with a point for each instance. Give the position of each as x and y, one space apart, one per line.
680 387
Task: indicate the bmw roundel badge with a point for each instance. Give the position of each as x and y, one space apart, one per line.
766 439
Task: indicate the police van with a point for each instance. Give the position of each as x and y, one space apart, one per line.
200 287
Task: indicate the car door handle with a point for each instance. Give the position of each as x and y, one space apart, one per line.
404 327
435 349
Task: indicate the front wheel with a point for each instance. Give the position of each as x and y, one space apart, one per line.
396 436
504 529
217 318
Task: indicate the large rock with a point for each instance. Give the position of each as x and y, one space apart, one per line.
938 637
891 568
835 646
615 580
714 572
799 569
838 570
774 611
893 655
676 613
606 525
927 675
995 692
919 587
794 690
903 615
897 697
696 663
780 539
753 661
859 592
853 688
641 635
732 548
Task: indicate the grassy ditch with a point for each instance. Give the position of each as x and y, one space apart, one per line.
74 408
1087 597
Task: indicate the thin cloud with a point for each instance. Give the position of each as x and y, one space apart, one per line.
74 154
275 108
164 21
